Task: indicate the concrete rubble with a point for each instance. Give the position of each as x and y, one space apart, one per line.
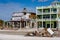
44 33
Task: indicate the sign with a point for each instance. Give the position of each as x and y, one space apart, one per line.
50 31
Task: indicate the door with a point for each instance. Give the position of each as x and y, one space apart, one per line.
44 24
48 25
32 25
55 24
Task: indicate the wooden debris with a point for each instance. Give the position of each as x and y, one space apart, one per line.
43 33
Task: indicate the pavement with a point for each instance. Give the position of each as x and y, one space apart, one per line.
23 32
21 37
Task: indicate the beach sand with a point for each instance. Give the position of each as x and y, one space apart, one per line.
21 37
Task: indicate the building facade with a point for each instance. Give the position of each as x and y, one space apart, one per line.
22 19
48 16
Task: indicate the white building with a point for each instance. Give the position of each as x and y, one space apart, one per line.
49 16
21 19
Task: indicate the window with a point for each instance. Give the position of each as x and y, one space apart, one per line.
53 16
48 25
44 24
39 16
54 9
58 3
40 10
46 16
46 10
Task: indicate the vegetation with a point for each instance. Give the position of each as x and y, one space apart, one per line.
1 23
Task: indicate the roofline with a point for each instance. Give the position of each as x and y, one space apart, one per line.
23 12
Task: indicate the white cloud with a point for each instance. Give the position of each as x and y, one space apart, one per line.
42 0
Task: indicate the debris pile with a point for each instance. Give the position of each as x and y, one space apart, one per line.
46 32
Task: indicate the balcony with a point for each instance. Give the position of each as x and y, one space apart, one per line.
43 19
54 12
39 19
39 13
46 13
46 19
54 19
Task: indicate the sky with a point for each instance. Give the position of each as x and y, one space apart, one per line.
7 7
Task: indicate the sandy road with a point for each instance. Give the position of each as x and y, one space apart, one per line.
20 37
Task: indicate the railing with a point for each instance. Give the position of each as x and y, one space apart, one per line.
46 19
53 12
40 13
54 19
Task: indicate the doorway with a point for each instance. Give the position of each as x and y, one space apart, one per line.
44 24
48 25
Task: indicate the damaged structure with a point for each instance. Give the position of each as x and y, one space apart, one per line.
22 19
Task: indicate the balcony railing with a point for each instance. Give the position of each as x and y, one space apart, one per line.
40 13
46 19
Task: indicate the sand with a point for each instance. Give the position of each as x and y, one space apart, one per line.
21 37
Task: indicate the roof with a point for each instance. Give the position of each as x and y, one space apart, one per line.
50 6
22 12
56 2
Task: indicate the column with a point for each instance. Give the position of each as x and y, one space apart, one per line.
58 22
27 25
58 25
7 24
24 24
35 25
50 17
20 25
30 24
3 24
42 18
36 19
13 24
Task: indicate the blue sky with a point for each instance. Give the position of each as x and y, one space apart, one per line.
7 7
